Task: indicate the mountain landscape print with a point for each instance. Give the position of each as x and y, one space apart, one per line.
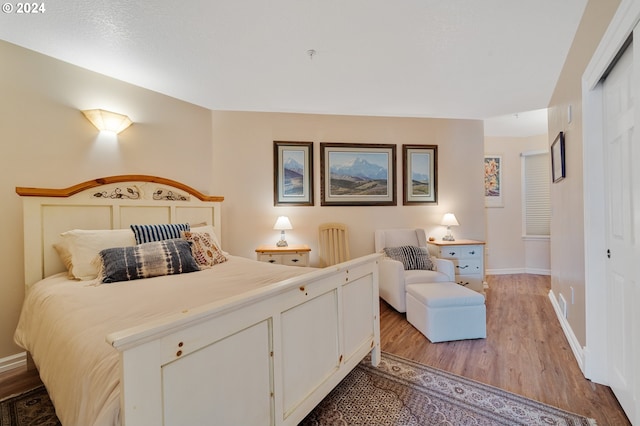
293 173
420 174
293 177
358 174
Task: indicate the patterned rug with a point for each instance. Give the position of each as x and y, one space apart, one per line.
402 392
30 408
397 392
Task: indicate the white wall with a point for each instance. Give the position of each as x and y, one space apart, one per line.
506 251
243 144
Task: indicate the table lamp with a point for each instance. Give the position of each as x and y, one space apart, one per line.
448 220
282 223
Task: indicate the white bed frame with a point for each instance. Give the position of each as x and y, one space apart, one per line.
266 357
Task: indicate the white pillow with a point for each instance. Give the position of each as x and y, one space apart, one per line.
211 232
84 245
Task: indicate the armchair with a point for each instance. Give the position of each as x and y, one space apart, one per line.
393 279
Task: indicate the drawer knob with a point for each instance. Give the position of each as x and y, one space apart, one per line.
462 267
472 252
452 253
272 261
295 260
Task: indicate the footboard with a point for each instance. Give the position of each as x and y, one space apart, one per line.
265 358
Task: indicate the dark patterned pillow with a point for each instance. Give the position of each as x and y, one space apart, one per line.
411 257
146 260
167 231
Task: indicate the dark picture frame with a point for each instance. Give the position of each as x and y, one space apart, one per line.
558 170
419 174
357 174
293 173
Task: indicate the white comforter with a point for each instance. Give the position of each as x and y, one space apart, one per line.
64 323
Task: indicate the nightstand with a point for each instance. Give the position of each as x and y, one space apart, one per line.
467 257
293 255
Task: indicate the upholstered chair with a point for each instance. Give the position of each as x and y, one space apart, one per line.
394 278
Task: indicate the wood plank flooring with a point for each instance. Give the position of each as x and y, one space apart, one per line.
525 352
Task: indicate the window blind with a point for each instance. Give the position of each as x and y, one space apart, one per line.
536 193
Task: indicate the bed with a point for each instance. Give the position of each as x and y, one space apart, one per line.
239 343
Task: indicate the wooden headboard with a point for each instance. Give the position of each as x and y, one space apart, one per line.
107 203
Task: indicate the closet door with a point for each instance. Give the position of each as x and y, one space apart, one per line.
622 157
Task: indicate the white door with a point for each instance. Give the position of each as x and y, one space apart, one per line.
621 158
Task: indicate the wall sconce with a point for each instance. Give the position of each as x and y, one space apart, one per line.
282 223
107 120
449 220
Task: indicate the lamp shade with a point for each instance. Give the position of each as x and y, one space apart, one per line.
449 219
107 120
283 223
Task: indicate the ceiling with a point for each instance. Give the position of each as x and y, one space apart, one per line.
410 58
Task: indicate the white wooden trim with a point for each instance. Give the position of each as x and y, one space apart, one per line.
12 362
578 351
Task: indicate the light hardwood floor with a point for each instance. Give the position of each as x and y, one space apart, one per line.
525 352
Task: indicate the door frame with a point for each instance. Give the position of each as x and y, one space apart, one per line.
622 25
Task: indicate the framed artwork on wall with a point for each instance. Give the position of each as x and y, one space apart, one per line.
353 174
558 171
420 174
493 189
293 173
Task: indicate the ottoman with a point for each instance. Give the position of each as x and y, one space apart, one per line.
446 311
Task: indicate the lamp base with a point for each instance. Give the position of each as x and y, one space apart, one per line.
282 243
448 237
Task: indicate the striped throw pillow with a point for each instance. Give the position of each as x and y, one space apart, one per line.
150 233
167 257
411 257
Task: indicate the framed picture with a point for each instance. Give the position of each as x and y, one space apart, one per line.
357 174
293 173
557 158
493 181
420 174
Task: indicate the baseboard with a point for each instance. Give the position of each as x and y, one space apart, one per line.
13 361
509 271
578 351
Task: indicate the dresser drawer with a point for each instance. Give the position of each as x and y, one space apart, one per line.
467 266
295 259
270 258
473 282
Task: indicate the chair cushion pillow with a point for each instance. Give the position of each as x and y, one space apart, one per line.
411 257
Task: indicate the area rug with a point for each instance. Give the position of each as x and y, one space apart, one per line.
30 408
398 392
402 392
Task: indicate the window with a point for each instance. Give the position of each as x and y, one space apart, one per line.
536 200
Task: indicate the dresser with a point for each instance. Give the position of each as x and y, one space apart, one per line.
467 257
293 255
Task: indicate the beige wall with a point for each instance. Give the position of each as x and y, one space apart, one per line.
243 151
46 141
567 222
507 252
